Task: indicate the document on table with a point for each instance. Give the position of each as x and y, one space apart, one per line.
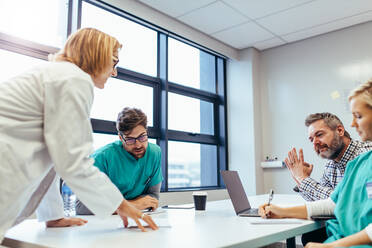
276 221
183 206
156 211
160 222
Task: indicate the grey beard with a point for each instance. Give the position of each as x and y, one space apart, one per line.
336 147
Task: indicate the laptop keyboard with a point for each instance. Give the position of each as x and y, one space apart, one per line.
251 211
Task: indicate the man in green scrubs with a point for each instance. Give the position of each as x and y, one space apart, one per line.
132 163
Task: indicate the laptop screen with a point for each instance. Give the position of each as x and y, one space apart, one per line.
236 191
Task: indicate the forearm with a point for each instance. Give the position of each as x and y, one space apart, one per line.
298 212
360 238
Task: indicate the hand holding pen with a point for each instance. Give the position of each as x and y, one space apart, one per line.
271 196
269 210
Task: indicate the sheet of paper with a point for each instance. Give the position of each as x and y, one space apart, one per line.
183 206
160 222
276 221
156 211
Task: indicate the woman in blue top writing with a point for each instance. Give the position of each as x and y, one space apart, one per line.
351 202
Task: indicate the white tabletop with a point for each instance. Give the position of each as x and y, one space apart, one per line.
218 226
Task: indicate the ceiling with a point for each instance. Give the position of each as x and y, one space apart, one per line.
265 23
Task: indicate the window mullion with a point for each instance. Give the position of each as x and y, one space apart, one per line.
163 104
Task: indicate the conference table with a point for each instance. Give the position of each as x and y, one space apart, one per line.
217 226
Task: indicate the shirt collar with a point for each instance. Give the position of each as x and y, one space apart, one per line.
349 153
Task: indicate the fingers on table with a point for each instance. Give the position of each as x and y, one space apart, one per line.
139 225
75 221
150 221
125 221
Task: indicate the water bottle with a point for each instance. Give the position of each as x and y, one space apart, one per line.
69 199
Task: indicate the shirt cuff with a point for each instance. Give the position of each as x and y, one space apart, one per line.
369 231
320 207
305 183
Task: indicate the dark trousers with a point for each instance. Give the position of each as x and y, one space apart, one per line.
319 236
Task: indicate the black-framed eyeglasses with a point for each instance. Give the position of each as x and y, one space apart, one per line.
131 141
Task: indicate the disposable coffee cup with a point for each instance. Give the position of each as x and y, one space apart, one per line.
200 199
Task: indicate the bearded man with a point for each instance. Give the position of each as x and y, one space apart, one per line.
332 142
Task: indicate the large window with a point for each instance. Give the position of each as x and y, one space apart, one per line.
108 102
42 21
14 63
190 114
139 43
178 84
190 66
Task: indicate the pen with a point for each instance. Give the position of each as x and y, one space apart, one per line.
271 196
147 181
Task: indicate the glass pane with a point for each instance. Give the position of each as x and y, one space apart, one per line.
197 170
116 95
42 21
200 70
190 114
139 52
100 139
13 64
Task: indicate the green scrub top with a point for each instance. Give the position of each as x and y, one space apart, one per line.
132 177
353 200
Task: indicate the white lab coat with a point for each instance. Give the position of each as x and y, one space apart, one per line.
44 124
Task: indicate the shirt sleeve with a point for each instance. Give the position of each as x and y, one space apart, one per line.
321 207
157 176
51 206
68 135
100 162
154 191
369 231
312 190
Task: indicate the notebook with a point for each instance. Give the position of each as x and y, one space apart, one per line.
237 194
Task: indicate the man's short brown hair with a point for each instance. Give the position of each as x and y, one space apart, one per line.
331 120
129 118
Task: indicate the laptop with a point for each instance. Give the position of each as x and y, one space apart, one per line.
237 194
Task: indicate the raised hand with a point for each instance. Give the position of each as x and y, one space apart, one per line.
297 166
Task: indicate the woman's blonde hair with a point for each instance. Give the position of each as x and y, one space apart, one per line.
364 91
89 49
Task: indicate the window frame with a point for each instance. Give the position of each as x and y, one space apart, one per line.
161 87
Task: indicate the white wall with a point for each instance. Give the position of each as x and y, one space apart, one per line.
305 77
244 127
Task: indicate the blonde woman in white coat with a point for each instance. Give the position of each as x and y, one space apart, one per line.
45 133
